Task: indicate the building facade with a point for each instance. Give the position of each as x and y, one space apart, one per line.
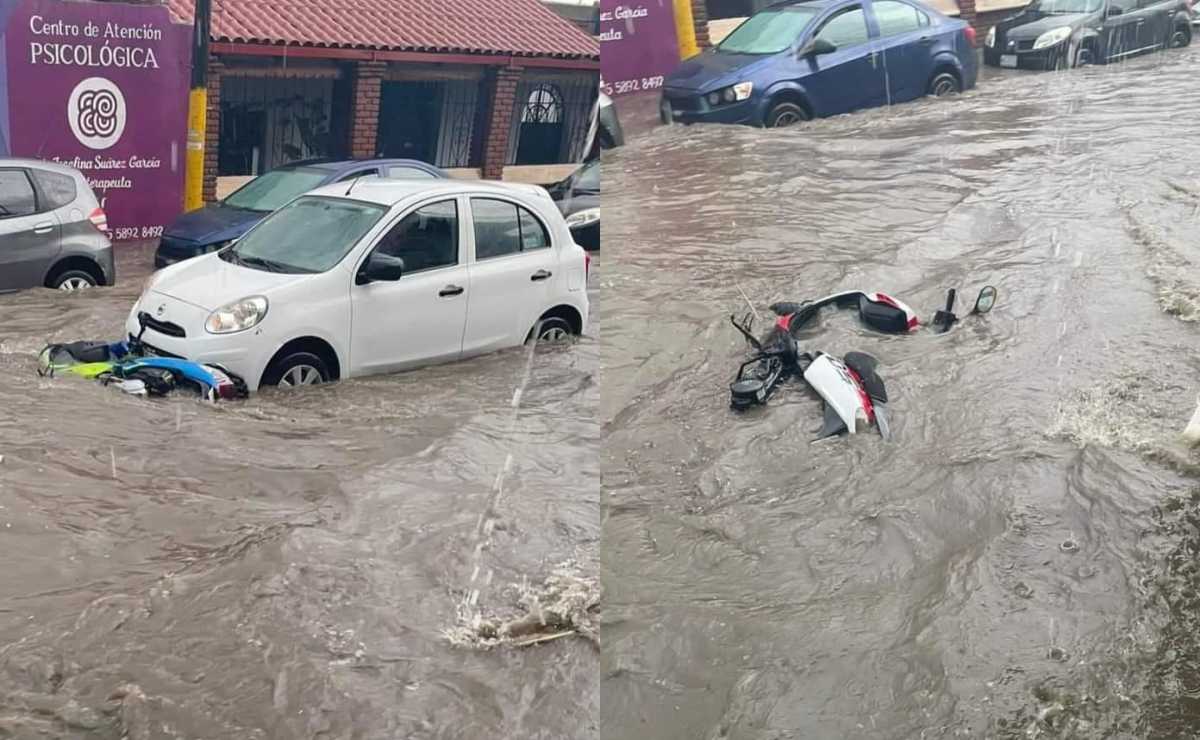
493 86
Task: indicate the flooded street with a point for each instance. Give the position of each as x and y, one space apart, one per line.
329 563
1019 561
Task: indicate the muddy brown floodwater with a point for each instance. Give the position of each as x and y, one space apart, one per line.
293 566
1021 560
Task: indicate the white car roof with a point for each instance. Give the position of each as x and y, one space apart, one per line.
389 192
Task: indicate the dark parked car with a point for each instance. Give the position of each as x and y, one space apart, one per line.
1058 34
53 232
578 197
213 227
798 60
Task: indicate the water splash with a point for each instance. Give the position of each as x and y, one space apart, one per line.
565 604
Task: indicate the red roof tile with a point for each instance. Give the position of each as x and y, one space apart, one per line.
517 27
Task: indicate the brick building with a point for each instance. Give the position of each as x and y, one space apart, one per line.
486 87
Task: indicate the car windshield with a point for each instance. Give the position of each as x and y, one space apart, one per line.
310 234
270 191
768 32
587 178
1060 7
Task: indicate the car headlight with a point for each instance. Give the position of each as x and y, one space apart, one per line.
586 217
990 41
732 94
1052 38
237 316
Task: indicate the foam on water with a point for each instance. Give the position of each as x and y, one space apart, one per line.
566 603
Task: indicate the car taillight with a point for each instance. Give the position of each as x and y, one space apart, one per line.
587 266
99 219
970 30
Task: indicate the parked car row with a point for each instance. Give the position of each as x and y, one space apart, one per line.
802 59
323 270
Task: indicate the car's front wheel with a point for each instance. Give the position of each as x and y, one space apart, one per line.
73 280
944 83
786 114
297 369
1180 37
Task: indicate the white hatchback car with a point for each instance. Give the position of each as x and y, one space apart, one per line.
372 277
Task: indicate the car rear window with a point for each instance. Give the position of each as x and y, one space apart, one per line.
503 228
403 172
896 18
16 194
59 189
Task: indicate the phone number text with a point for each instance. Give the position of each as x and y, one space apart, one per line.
126 233
624 87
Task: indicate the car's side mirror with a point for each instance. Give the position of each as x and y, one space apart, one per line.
380 267
1114 10
985 301
815 48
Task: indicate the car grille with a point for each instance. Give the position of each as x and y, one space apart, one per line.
684 101
162 327
1025 45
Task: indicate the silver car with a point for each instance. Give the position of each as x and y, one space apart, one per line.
52 229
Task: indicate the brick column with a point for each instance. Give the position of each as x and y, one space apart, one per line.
966 11
700 20
212 129
503 98
364 123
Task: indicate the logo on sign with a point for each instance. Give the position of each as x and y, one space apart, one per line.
96 112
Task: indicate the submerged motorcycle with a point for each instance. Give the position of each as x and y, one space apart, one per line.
128 366
854 395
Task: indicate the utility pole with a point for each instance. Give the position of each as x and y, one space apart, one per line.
193 197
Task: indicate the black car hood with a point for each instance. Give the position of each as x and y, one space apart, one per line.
1031 25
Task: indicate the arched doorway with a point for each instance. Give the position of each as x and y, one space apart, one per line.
542 121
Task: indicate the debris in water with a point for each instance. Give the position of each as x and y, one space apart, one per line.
566 604
1069 546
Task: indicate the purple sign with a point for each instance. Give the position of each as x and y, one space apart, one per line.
638 45
103 88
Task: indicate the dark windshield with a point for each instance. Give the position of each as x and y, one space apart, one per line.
1060 7
768 32
272 190
309 234
587 178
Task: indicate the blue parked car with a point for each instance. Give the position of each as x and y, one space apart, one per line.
213 227
797 60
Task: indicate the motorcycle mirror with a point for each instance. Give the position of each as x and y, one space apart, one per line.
746 393
986 300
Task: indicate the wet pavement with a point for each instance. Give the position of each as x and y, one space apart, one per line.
1020 560
330 563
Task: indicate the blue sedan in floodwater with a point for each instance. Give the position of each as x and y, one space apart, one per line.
798 60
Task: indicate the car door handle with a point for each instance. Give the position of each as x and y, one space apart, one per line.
43 228
450 291
925 40
541 275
